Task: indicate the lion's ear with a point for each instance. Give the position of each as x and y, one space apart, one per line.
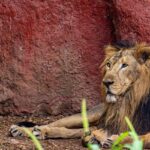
110 50
142 53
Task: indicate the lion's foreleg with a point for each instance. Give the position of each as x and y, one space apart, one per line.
46 132
76 120
60 128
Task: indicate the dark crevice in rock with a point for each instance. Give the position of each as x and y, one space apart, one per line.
113 17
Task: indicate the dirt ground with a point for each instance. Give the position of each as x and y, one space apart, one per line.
10 143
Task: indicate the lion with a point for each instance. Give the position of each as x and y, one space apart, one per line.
125 92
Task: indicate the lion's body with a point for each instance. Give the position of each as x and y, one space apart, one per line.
126 92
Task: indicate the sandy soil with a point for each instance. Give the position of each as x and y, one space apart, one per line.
9 143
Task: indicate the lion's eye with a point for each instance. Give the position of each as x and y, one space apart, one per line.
108 65
124 65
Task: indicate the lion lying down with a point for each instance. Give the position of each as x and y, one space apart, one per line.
126 92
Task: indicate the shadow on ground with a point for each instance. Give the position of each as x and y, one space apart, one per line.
10 143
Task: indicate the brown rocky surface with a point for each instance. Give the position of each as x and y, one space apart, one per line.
50 52
131 19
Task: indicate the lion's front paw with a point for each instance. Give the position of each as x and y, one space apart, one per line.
107 144
16 131
40 132
89 138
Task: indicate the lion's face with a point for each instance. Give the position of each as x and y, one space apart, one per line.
121 70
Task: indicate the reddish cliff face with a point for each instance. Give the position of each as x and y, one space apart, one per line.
50 52
131 19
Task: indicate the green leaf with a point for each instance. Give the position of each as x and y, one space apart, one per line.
34 139
133 132
86 125
84 117
120 138
137 143
93 147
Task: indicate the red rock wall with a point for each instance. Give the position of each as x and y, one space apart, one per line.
50 51
131 19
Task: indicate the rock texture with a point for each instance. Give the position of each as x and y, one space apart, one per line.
50 52
131 19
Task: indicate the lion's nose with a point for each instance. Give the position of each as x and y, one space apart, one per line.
108 82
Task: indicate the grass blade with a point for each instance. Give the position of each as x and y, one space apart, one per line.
116 145
84 117
34 139
133 132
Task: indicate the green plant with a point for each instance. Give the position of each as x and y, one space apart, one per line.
93 147
117 144
137 144
86 125
84 117
34 139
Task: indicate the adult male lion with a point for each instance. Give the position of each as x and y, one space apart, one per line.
126 92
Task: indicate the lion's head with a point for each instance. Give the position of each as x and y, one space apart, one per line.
126 82
126 68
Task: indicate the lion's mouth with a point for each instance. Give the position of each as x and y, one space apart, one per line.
110 97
